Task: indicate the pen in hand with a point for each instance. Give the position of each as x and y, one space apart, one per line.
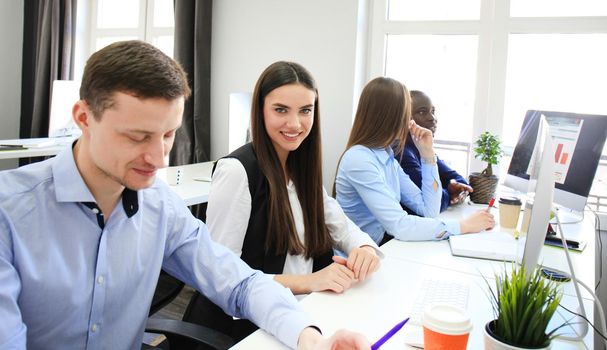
490 204
389 335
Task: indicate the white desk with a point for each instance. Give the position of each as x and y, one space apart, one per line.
439 253
58 144
192 191
376 305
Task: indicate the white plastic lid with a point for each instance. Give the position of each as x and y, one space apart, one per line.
446 319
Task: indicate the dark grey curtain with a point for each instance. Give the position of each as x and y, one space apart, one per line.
193 51
49 29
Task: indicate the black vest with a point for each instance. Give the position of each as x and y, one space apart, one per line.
201 310
253 248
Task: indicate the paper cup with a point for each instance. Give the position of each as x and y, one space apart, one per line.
445 327
510 209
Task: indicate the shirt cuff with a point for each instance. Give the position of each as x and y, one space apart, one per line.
430 161
430 171
297 322
451 227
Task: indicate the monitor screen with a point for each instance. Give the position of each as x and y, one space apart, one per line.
578 141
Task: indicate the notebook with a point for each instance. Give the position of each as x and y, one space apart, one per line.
493 245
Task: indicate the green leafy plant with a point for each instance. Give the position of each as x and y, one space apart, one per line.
488 149
523 305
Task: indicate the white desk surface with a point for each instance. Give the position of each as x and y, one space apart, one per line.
439 253
192 191
51 150
375 306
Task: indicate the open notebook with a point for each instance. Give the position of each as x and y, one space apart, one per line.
493 245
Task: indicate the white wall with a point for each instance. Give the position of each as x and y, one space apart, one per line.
11 42
321 35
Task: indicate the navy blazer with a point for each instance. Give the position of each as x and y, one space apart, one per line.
410 161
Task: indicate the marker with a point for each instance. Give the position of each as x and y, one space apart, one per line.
491 203
389 335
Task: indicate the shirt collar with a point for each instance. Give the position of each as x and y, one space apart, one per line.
70 186
384 155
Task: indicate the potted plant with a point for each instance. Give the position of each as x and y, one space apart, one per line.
523 304
488 149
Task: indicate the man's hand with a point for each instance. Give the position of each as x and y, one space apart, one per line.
457 192
423 139
311 339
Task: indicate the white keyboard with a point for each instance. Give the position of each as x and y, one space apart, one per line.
434 292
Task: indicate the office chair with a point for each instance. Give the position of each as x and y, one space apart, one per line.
201 311
180 334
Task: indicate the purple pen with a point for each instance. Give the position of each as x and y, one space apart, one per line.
389 335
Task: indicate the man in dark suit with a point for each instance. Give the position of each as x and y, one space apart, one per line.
455 187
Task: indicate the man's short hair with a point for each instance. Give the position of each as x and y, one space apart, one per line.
133 67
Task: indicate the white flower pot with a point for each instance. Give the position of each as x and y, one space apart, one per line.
493 344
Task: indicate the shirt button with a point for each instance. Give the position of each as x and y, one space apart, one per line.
100 279
94 327
95 210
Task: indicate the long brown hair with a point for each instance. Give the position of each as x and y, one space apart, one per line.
304 166
382 116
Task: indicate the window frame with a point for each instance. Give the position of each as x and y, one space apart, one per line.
146 30
493 29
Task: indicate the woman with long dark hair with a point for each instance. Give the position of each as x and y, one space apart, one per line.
267 202
371 186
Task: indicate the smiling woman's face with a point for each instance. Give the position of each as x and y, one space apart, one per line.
288 114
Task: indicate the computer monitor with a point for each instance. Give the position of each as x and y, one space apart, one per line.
64 95
578 140
543 172
239 119
540 193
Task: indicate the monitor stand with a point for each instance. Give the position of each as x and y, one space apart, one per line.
568 216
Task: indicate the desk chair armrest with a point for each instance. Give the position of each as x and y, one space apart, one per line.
185 330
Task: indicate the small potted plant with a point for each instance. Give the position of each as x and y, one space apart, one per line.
488 149
522 305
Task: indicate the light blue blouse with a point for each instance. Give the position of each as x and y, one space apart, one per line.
370 187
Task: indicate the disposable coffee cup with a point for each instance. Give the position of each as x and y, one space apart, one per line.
445 327
526 218
510 208
174 175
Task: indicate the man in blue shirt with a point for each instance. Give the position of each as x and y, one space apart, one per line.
83 236
454 186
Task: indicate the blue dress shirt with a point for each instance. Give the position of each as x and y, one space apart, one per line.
370 187
69 282
412 165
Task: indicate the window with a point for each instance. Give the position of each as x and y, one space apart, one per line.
485 63
450 82
402 10
148 20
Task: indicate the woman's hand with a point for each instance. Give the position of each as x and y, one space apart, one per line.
479 221
363 261
423 139
336 277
